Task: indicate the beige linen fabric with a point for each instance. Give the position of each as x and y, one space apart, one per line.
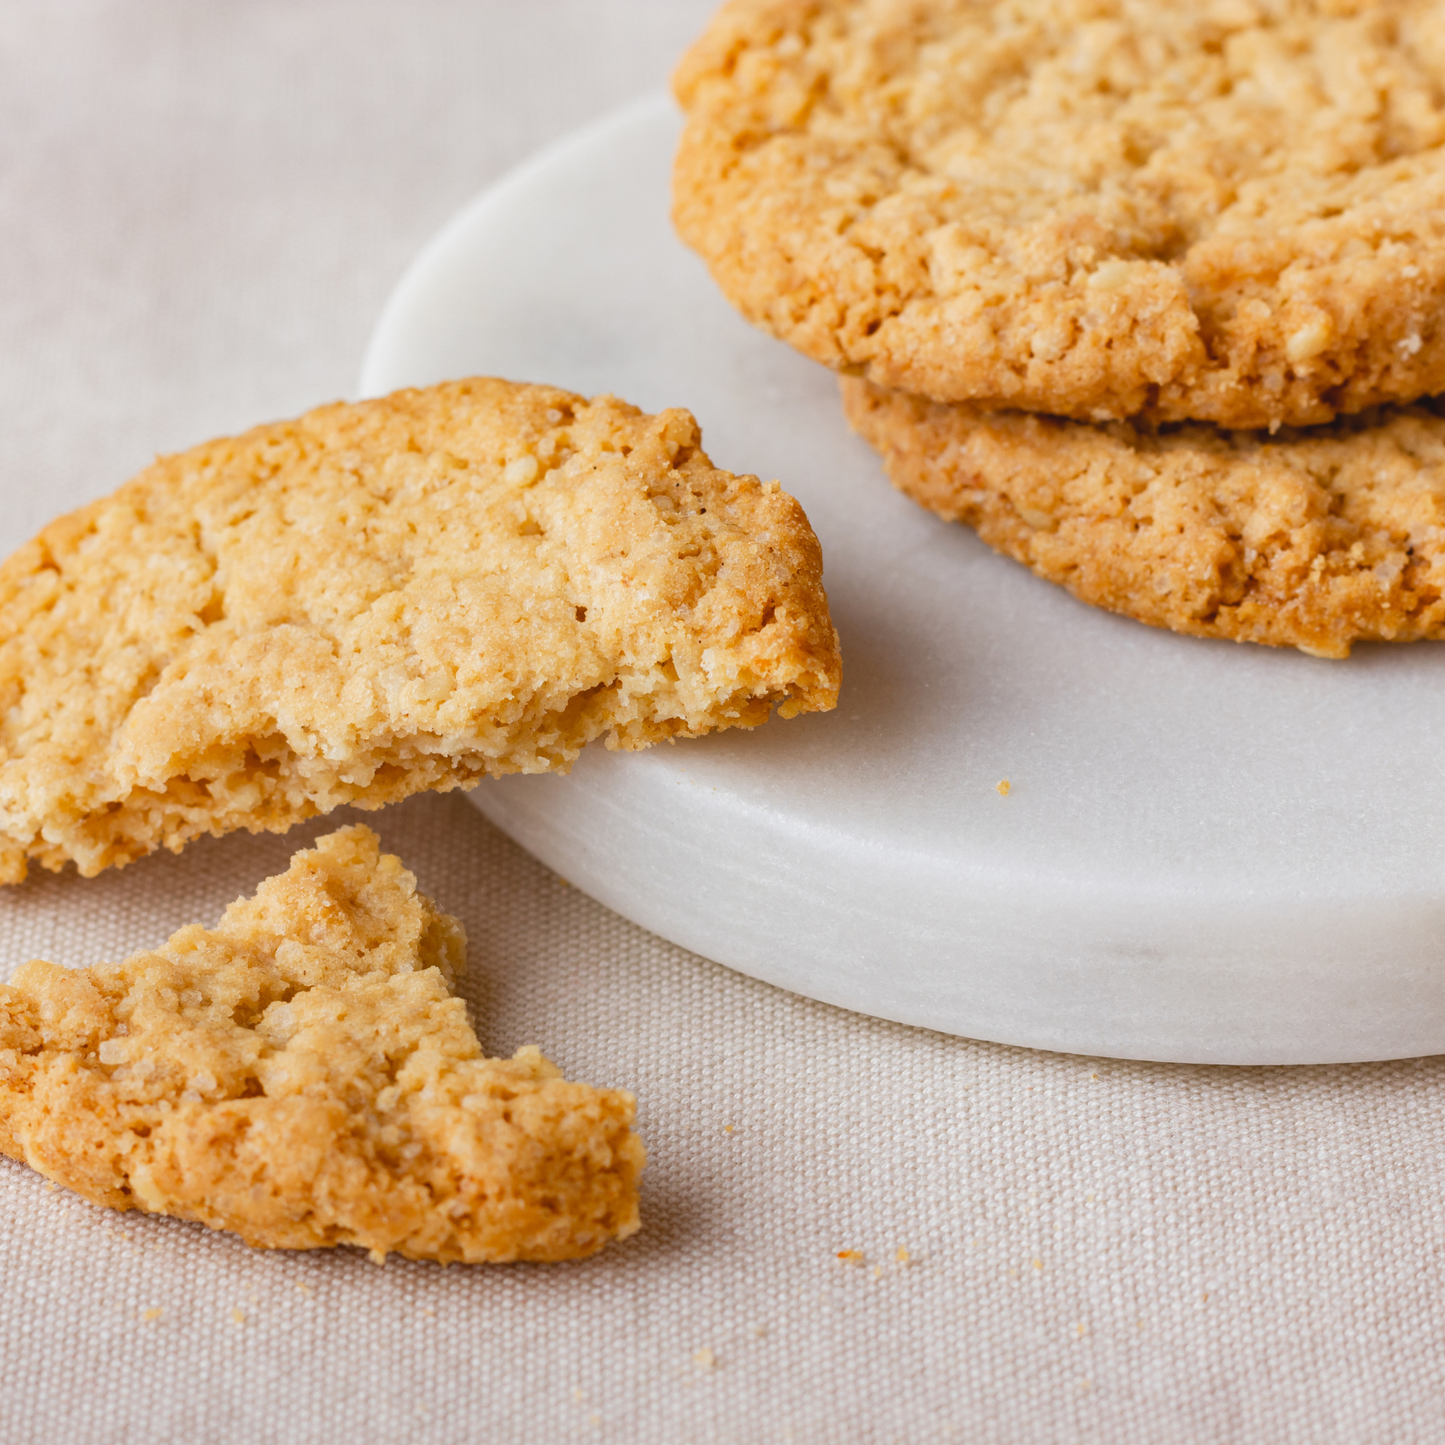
202 208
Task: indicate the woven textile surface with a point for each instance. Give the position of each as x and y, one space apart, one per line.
203 206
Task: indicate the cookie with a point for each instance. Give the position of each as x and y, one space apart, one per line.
386 597
1230 211
303 1076
1311 539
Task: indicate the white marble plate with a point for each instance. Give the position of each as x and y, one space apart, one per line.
1210 852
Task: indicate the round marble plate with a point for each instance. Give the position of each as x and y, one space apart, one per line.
1208 852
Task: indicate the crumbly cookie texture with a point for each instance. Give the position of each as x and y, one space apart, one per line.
1230 211
380 598
302 1076
1312 539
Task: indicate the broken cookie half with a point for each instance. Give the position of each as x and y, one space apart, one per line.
303 1076
376 599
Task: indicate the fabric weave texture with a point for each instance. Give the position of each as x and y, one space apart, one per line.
202 210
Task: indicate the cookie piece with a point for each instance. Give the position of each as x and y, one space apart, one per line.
302 1076
1311 539
380 598
1230 211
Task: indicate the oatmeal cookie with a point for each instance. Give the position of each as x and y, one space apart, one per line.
1221 210
1312 539
380 598
303 1076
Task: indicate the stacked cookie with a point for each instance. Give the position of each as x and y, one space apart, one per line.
1150 295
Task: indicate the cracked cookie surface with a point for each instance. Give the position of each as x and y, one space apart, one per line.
1314 539
1229 211
379 598
302 1076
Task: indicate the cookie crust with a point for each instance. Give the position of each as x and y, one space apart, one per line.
1229 211
1310 539
302 1076
405 594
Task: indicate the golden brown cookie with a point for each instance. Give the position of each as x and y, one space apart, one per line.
1311 539
302 1075
1224 210
386 597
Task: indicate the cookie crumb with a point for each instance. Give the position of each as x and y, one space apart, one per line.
1003 787
238 1317
151 1316
704 1359
903 1257
851 1256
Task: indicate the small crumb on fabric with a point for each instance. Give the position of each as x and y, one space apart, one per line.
903 1256
727 1128
238 1317
851 1256
1003 787
151 1316
704 1359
